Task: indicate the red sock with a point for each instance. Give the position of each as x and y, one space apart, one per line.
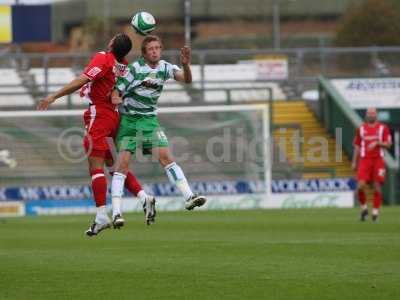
377 199
361 197
132 184
99 187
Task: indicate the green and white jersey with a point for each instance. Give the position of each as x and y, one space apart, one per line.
142 85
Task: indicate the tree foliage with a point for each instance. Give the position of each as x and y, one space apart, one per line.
97 32
372 23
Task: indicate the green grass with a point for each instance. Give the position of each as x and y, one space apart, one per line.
273 254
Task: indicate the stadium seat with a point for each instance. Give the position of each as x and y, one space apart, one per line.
224 77
242 91
57 78
234 76
174 97
12 92
174 93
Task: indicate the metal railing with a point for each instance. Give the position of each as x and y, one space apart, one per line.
197 93
304 64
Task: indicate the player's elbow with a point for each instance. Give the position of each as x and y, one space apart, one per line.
81 80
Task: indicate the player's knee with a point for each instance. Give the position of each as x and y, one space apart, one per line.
122 165
361 185
95 163
123 169
377 187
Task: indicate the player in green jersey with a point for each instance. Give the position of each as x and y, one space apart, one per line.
138 92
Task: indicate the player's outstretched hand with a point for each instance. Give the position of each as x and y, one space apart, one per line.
186 55
45 103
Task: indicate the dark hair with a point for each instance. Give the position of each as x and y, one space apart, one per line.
148 39
121 46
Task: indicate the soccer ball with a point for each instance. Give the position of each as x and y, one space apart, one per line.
143 23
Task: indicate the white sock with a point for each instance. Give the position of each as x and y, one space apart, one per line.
375 211
101 215
142 196
364 206
117 190
176 176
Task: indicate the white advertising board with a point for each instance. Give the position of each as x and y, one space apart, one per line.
365 92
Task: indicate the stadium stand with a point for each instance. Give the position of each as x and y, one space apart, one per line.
242 78
174 93
12 91
289 113
57 77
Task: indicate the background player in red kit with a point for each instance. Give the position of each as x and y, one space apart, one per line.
372 137
101 122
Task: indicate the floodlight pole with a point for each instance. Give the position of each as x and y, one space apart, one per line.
276 24
188 29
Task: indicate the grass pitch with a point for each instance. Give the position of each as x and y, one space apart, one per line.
265 254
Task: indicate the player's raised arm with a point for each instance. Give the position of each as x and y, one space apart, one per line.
185 75
71 87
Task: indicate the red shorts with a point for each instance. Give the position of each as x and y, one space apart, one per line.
101 126
371 170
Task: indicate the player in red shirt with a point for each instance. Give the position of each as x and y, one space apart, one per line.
372 137
101 123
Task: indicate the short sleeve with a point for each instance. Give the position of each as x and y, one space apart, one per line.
171 69
96 67
357 138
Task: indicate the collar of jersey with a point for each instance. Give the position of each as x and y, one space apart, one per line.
142 62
